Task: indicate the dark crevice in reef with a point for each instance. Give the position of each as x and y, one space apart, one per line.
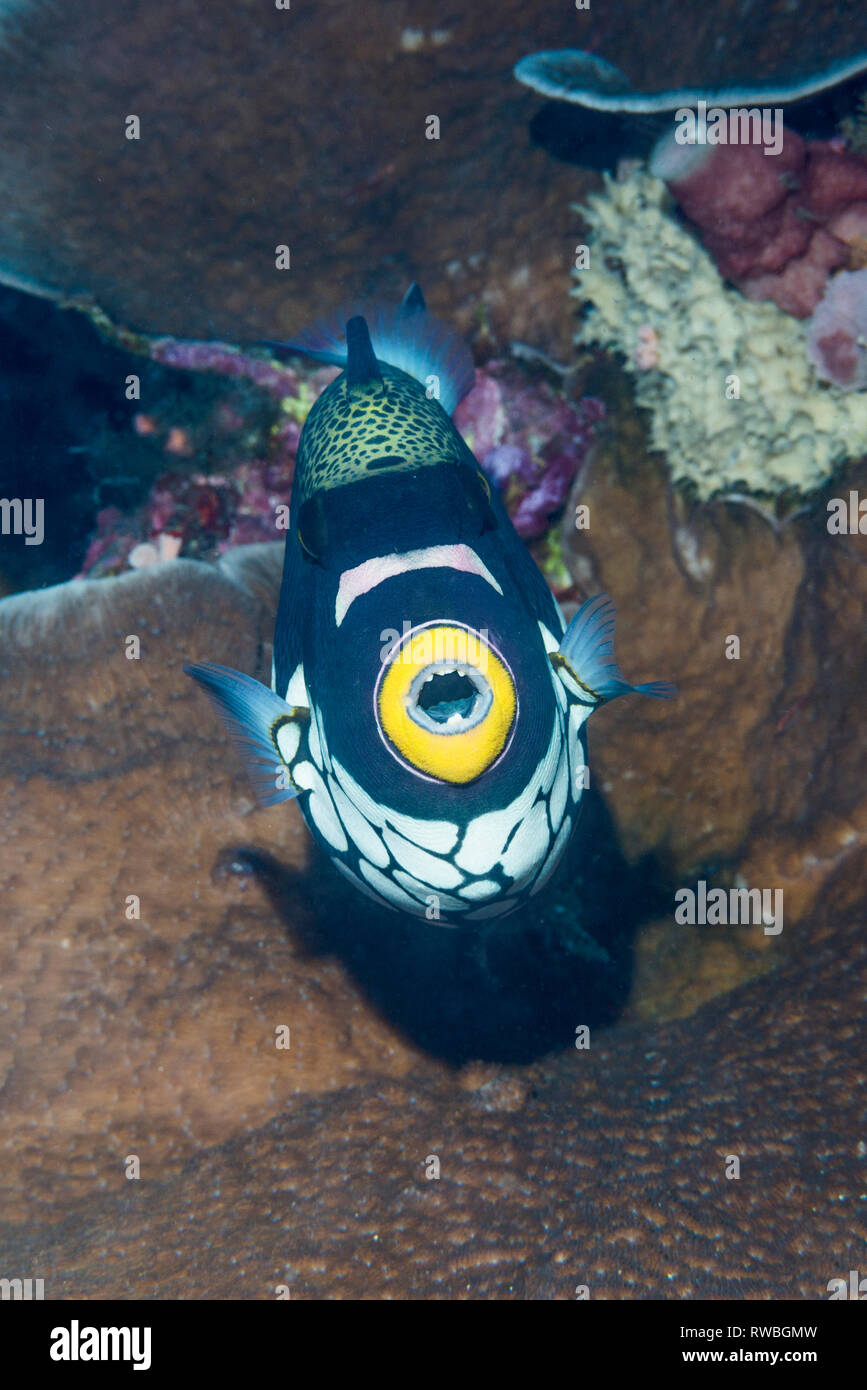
61 391
574 134
593 139
67 436
507 992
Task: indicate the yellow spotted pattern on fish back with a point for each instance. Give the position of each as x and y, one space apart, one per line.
384 427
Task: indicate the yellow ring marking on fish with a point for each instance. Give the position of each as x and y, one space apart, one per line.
450 757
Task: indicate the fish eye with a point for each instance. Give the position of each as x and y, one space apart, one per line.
446 702
312 528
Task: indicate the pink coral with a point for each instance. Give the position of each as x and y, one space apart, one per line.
837 332
274 378
647 348
529 440
777 226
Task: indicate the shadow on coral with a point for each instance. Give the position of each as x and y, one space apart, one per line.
502 992
593 139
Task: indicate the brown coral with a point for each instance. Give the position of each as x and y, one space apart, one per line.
155 1035
305 127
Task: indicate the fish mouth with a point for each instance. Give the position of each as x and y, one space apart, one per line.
449 698
445 701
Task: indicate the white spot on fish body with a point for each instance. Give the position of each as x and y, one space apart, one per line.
440 836
288 739
558 796
528 845
296 692
358 828
554 857
482 888
319 806
387 888
423 891
313 742
440 873
552 758
487 834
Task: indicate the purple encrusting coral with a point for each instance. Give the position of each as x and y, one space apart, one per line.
196 515
530 441
272 377
837 332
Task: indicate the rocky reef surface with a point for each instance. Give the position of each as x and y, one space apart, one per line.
185 982
161 930
242 148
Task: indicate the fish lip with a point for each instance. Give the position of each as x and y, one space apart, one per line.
398 647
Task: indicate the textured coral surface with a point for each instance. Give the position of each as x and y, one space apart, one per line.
605 1169
765 777
159 929
244 147
155 1036
777 225
734 403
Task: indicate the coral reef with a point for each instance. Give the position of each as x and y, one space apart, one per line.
183 979
198 516
853 128
733 400
777 225
837 331
606 1169
586 79
530 440
263 1166
772 738
346 184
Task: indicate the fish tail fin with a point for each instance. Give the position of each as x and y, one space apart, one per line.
268 732
586 659
406 336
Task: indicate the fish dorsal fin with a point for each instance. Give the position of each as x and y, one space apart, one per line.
362 368
406 336
413 300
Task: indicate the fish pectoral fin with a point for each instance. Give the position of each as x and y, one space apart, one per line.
271 734
585 660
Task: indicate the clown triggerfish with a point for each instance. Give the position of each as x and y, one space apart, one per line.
427 701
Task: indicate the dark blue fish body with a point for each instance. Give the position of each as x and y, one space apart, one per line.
427 706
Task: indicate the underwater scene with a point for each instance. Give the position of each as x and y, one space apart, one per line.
433 594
